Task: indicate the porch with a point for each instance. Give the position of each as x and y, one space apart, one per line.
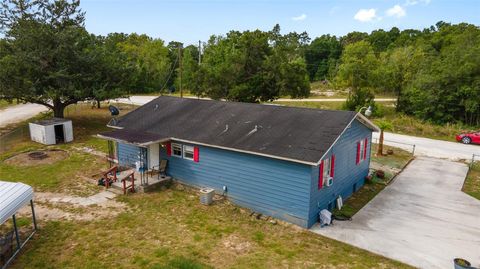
134 162
135 181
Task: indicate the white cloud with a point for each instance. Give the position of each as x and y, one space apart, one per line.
334 10
415 2
366 15
396 11
300 18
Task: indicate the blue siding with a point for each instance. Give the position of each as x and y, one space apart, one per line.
347 172
128 154
282 189
273 187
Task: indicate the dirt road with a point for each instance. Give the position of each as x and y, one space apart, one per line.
18 113
430 147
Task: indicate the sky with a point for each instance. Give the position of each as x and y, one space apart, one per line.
189 21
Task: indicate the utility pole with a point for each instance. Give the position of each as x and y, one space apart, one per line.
199 52
180 69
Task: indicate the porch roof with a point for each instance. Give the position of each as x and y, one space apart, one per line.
133 137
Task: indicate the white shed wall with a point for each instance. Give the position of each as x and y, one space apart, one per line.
68 131
45 134
37 133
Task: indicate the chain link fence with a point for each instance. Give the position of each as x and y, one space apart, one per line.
13 137
406 146
475 160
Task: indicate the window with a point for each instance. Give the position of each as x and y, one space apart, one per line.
326 170
177 150
362 150
326 173
188 152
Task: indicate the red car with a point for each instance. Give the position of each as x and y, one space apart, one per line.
467 138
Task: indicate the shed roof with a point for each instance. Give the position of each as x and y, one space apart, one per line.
291 133
12 197
51 121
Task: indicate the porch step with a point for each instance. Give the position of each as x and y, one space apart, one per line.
115 190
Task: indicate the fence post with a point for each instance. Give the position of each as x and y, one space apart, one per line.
413 151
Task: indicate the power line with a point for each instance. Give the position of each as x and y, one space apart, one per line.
169 75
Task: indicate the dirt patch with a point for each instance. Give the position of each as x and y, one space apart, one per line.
236 244
31 158
59 206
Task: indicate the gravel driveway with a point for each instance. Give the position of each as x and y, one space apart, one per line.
18 113
422 219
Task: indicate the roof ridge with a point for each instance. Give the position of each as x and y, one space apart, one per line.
253 104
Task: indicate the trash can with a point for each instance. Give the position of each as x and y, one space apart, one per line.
206 196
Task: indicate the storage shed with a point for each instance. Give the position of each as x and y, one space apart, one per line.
52 131
14 196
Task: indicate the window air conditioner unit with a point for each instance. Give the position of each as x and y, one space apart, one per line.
329 181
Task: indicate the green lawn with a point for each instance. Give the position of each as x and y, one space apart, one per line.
54 177
472 182
5 103
390 164
317 105
171 229
164 229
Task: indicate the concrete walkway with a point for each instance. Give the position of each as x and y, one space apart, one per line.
422 219
18 113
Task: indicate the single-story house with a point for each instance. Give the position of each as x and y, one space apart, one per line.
285 162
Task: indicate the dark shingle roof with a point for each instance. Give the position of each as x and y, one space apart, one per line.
132 136
301 134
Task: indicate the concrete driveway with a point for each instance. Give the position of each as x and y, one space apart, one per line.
422 219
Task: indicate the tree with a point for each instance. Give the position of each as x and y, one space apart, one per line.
190 68
322 55
112 71
383 125
150 61
357 71
254 66
446 87
47 57
381 40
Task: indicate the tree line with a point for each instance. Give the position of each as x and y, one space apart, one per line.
47 57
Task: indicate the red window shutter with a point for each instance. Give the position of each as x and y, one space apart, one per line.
196 156
168 145
320 176
332 166
358 152
365 149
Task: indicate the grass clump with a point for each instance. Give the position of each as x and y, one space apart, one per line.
472 182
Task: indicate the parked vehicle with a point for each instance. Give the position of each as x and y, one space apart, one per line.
467 138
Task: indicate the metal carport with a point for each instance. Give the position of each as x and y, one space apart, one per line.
14 196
